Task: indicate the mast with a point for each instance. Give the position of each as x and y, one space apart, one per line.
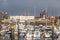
25 12
58 16
34 15
25 17
28 12
28 17
46 16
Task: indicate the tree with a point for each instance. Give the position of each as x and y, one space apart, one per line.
42 13
58 22
5 16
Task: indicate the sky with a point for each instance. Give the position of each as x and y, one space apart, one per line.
30 7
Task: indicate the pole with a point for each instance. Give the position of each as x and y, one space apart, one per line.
12 34
53 30
52 33
18 31
53 25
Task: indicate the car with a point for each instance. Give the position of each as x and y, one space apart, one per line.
30 27
23 30
29 35
37 33
48 28
57 31
22 36
55 35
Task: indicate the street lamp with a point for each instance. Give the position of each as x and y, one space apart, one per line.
53 25
18 27
53 30
12 32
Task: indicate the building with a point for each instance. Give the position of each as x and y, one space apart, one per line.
21 18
